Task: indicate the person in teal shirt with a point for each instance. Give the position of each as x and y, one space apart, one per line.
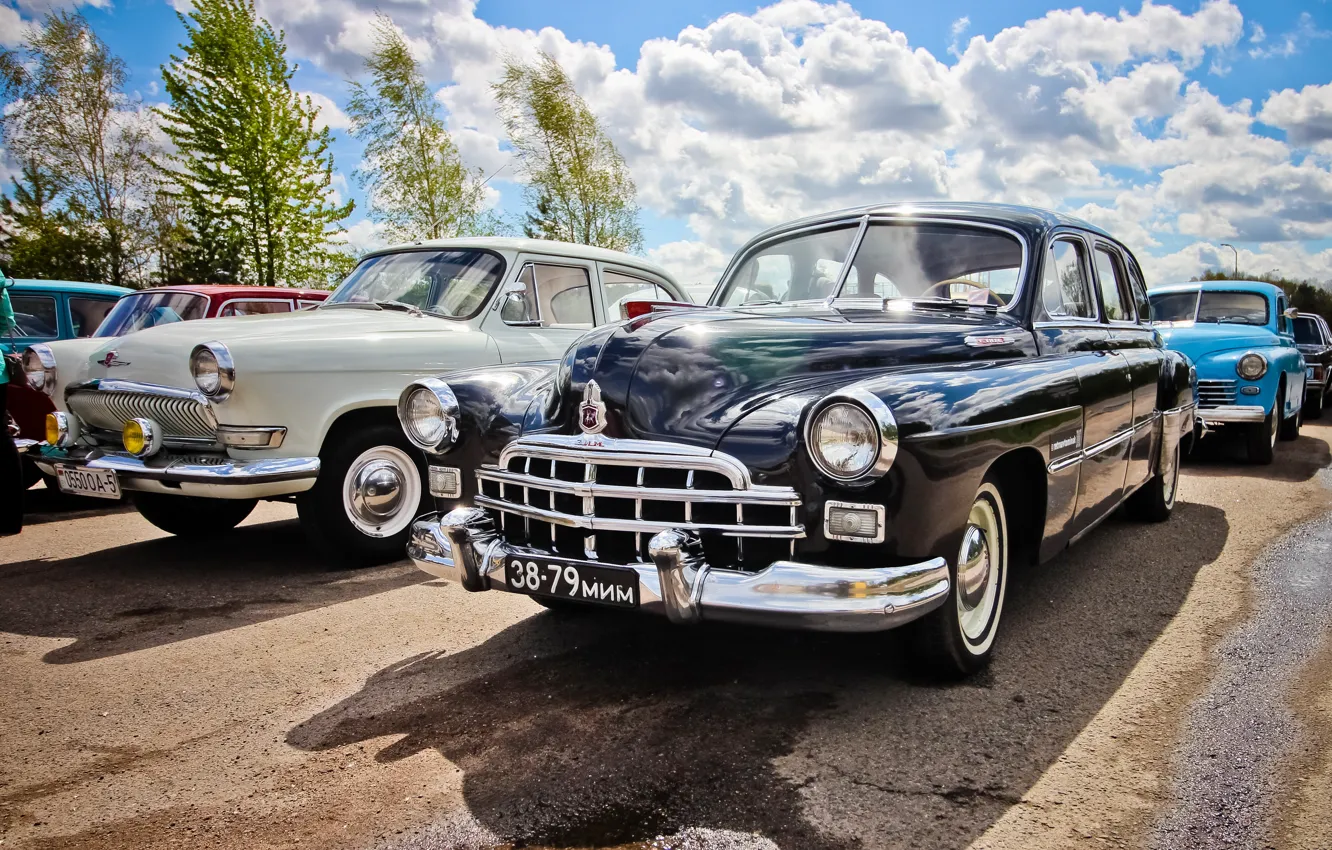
11 474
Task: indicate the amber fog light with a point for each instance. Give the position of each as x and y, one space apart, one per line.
853 522
141 437
62 430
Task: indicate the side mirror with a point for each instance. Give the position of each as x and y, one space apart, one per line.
1291 312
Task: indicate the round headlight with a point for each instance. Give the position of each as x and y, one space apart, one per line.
213 371
844 441
428 413
1251 366
39 367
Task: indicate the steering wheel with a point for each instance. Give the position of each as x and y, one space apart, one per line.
989 295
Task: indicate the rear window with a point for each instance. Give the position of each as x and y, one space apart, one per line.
35 316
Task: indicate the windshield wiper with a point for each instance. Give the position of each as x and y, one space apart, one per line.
945 304
399 305
359 305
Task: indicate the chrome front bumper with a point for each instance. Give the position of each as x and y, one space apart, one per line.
1231 413
462 546
212 476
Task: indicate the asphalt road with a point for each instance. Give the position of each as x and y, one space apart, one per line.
161 693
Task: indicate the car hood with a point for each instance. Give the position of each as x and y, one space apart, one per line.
1199 340
322 340
688 376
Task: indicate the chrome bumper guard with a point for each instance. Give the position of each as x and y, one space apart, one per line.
463 546
1231 413
279 475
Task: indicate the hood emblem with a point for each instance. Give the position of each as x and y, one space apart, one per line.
110 360
592 412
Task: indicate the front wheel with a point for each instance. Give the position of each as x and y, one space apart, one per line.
369 490
192 516
1261 437
956 638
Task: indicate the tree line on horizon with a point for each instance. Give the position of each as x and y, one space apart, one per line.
231 179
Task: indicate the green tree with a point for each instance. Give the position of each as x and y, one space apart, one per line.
44 238
248 145
576 179
71 119
416 181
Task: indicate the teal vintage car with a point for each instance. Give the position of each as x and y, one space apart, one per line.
1240 336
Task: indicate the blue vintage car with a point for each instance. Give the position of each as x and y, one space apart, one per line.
1240 336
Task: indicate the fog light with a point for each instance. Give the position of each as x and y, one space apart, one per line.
445 482
853 522
61 429
141 437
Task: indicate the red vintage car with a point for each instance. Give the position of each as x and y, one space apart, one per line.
159 306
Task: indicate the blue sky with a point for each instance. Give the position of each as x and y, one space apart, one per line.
1245 50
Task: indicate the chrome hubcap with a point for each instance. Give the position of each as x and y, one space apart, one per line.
980 569
377 491
381 491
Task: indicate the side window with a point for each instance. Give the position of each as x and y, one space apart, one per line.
1065 292
307 305
550 295
256 307
1140 293
621 289
35 316
88 313
1114 288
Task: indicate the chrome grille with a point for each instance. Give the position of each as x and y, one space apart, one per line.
603 499
1216 393
180 414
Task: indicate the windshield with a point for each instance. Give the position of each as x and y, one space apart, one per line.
1239 308
955 262
1175 306
1306 331
453 284
150 309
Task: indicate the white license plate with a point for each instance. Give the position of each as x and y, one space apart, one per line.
99 483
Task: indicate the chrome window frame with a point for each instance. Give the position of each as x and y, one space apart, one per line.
1038 306
1110 248
540 322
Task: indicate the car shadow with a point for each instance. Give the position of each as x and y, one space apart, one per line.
169 589
1223 453
42 504
598 730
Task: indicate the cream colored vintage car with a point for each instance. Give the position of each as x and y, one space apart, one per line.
199 420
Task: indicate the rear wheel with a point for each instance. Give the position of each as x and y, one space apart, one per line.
369 490
956 638
1261 438
192 516
1156 499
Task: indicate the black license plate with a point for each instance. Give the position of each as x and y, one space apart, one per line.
572 580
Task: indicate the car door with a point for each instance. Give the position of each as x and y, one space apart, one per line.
546 304
1291 361
1070 327
1125 301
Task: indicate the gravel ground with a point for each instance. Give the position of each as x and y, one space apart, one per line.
1229 767
160 694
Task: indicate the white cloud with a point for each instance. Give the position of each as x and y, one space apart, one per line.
364 235
11 27
1289 43
693 264
804 106
330 115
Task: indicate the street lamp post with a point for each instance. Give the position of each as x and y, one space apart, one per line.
1232 248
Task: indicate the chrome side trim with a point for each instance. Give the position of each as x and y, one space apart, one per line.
988 426
251 437
1100 448
1064 463
1106 444
462 546
107 385
846 266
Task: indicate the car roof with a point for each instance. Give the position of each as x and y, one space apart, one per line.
534 246
238 290
72 287
1023 217
1258 286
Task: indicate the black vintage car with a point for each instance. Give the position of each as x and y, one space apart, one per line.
1314 340
881 409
